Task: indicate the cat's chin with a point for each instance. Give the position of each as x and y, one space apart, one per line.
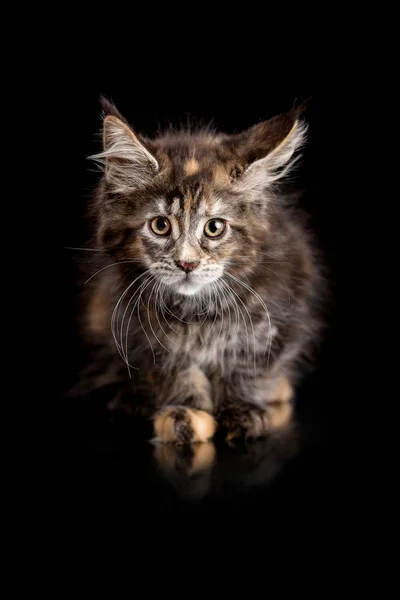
188 288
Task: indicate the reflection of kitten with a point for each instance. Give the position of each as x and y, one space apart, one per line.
207 276
201 469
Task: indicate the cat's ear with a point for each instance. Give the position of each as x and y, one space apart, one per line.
267 151
128 164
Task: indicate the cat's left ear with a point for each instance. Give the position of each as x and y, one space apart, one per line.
128 163
267 151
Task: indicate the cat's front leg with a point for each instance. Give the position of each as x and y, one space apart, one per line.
254 410
185 416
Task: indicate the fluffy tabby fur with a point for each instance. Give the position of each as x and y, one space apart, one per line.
207 331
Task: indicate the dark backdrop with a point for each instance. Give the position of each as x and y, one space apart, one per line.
98 454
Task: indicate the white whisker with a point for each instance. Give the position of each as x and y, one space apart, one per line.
149 320
239 311
148 278
141 325
84 249
222 291
227 304
121 262
139 291
218 293
213 323
114 320
252 327
261 301
162 306
159 323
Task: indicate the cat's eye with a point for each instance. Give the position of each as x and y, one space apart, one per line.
214 228
160 226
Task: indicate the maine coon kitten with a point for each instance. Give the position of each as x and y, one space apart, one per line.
205 296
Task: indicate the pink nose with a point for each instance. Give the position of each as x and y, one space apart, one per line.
187 266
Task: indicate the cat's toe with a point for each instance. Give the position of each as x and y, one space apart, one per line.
181 425
251 422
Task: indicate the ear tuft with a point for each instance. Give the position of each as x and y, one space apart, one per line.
267 151
109 109
128 165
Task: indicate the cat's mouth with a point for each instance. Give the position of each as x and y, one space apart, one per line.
188 284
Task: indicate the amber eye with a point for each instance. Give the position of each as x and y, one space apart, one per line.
214 228
160 226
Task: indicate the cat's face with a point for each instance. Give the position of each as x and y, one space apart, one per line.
190 235
189 206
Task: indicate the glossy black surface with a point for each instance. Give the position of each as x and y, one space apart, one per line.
101 454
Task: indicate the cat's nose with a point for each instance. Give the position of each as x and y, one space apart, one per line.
187 266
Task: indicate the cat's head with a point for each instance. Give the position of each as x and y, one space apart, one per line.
188 205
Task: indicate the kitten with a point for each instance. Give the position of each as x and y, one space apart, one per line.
206 293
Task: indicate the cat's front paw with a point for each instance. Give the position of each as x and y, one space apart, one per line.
251 422
181 425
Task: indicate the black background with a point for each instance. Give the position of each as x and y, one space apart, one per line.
107 468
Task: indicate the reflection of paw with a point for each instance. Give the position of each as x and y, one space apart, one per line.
181 425
187 467
185 459
251 422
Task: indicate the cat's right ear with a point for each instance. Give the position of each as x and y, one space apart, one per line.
268 151
128 165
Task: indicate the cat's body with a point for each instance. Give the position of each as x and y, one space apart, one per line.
212 301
